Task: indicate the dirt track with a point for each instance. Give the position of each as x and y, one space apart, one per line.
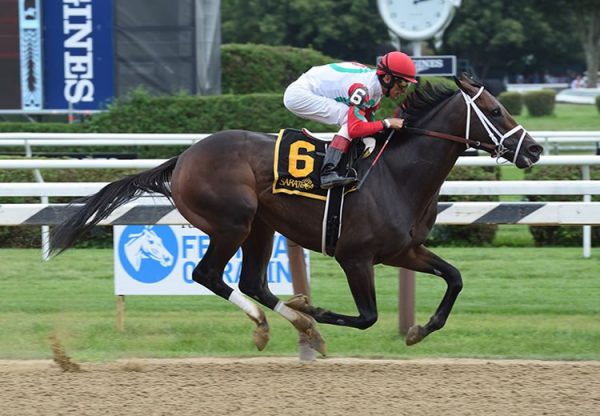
283 386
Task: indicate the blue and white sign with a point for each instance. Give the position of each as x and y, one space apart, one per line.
442 65
159 260
78 54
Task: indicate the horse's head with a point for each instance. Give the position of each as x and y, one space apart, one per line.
489 122
152 246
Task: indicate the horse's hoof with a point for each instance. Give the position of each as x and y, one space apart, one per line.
298 302
415 334
261 335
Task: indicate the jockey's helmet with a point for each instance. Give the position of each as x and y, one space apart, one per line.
398 65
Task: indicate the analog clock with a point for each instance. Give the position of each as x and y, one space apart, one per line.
417 19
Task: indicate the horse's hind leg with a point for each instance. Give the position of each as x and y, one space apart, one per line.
421 259
209 273
361 280
253 282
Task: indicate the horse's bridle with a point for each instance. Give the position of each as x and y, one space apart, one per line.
497 149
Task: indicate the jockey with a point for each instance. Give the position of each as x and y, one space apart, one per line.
347 94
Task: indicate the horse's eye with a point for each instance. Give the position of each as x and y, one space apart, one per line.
496 112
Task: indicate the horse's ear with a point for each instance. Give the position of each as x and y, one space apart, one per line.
457 82
469 79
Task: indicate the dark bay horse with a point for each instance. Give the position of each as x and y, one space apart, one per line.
222 185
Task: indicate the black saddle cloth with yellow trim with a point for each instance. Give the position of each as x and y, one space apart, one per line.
297 163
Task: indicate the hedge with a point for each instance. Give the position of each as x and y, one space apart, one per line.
512 101
560 235
250 68
540 103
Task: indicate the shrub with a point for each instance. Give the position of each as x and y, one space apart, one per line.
540 103
559 235
598 103
512 101
253 68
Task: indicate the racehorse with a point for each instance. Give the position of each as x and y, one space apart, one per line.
222 185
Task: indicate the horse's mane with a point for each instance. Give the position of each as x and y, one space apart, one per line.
424 98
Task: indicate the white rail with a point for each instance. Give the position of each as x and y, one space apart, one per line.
549 139
578 160
74 189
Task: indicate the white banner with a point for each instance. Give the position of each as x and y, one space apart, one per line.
159 260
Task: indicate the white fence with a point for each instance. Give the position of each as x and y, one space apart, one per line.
553 141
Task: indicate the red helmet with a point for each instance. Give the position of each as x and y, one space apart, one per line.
398 65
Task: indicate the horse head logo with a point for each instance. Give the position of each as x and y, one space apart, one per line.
147 245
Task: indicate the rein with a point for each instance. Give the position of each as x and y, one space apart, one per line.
497 149
471 143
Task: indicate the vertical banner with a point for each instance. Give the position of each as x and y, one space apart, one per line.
160 259
78 54
31 54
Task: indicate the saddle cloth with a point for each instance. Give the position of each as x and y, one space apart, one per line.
297 164
298 159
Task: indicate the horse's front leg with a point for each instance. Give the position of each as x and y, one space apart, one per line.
361 280
420 259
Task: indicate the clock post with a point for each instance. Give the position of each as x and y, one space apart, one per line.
414 21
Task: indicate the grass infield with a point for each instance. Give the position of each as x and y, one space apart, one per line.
517 302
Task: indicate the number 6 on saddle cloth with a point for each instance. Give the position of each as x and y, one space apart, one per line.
297 165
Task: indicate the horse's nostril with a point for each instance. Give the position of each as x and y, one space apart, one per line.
535 149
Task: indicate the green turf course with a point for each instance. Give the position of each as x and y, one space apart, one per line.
516 303
566 117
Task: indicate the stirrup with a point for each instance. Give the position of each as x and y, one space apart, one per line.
333 180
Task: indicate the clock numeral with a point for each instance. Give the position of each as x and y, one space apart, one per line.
393 15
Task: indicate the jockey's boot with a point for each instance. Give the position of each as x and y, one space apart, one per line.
330 178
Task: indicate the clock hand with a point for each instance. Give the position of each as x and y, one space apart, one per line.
418 1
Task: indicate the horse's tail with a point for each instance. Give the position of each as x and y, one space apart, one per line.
100 205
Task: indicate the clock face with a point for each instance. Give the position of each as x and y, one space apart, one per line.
416 19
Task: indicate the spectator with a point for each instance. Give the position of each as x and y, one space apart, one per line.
577 82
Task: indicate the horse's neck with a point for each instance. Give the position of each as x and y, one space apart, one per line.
426 162
435 158
441 155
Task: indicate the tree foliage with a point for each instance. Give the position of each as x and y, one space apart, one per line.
511 37
343 29
497 37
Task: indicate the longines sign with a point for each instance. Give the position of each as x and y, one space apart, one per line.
78 54
442 65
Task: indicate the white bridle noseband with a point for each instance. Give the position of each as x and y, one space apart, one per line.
496 137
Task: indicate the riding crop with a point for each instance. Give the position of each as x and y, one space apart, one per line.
375 160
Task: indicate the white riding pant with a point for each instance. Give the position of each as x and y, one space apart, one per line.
300 100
